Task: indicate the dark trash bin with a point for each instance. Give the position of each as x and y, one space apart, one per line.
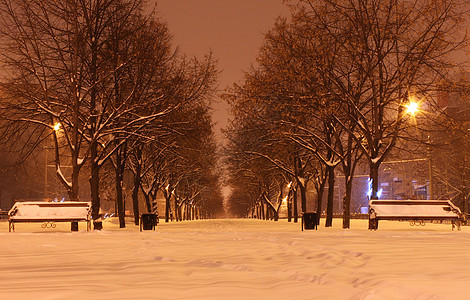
309 221
97 225
148 221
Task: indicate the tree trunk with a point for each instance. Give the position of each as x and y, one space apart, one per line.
320 190
95 184
374 178
137 183
148 202
73 192
289 206
93 126
183 212
347 203
135 194
167 196
263 216
177 210
294 203
75 151
329 204
303 196
119 194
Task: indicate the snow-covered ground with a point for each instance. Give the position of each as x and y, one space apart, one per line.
235 259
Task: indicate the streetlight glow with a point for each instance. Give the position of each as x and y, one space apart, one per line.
56 126
412 108
284 200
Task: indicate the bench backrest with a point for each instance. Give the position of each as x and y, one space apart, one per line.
50 210
414 208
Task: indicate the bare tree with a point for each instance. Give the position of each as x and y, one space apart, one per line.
98 72
353 67
384 53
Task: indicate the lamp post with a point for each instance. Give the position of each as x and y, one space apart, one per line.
56 128
431 189
45 173
412 109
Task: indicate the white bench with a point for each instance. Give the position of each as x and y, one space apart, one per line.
418 212
49 213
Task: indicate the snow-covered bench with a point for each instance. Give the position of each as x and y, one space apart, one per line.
415 211
49 213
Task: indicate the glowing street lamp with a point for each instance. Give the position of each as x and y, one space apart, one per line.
412 108
56 126
284 200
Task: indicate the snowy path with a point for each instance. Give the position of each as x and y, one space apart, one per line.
235 259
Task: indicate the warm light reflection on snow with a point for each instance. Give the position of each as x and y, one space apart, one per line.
235 259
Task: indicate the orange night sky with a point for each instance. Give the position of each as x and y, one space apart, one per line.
231 29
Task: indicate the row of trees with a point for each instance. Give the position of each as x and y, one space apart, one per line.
331 89
101 81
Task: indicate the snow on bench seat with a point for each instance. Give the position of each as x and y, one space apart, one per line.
412 210
35 211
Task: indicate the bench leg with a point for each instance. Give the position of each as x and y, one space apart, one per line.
373 224
73 226
456 223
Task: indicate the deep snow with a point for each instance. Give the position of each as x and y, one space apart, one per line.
235 259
